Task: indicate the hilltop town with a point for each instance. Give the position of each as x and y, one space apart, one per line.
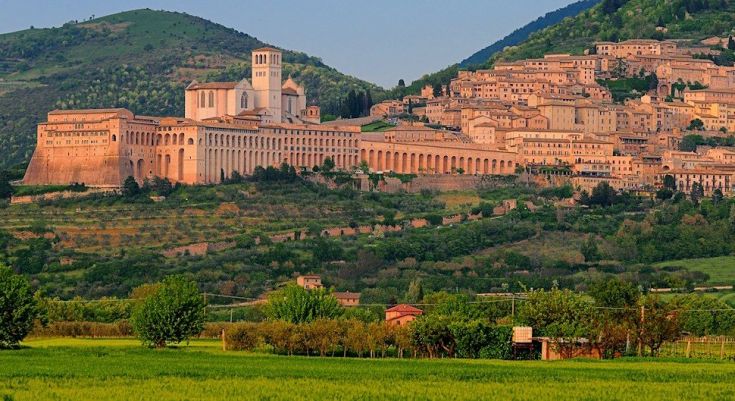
555 118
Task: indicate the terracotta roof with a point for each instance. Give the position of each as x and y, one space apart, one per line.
289 91
213 85
403 308
270 49
346 295
88 111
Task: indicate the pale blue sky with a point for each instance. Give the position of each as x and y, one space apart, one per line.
377 40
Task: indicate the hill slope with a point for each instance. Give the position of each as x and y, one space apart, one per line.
614 20
611 20
521 34
140 60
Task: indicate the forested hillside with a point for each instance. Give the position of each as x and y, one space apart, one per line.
610 20
141 60
615 20
521 34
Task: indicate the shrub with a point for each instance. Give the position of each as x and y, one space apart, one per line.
171 314
242 337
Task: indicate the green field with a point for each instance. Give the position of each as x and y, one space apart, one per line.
721 270
122 370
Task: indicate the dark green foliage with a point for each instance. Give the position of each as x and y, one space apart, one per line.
130 188
172 314
18 308
690 142
6 190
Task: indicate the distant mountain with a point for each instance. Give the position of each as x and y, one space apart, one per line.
138 59
521 34
481 57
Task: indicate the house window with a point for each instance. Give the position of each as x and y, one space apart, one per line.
244 100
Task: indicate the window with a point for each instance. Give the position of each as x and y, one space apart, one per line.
211 99
244 100
202 99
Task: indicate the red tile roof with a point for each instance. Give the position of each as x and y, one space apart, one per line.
403 308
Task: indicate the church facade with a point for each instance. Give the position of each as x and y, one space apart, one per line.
228 126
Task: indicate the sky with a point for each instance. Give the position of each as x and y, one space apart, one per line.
380 41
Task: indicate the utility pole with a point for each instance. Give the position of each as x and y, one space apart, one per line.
640 334
513 307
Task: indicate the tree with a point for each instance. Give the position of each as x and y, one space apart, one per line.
717 196
659 323
560 314
730 43
669 182
437 90
18 308
328 165
589 249
297 305
697 192
6 190
415 291
401 83
173 313
696 125
130 188
664 194
653 81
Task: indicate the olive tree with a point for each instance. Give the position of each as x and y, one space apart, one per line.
18 308
172 313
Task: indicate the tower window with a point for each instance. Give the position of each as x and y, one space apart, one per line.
211 99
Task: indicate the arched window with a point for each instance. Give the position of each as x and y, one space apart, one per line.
202 100
191 141
114 138
244 100
211 99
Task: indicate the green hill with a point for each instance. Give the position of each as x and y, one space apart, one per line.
138 59
616 20
610 20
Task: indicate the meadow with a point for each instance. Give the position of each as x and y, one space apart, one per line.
721 269
122 370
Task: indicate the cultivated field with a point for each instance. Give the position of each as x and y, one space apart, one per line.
122 370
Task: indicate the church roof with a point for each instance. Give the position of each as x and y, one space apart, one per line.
289 91
213 85
268 49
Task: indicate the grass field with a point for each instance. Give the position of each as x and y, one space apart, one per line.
122 370
721 270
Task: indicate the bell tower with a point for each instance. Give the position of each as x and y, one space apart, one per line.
266 80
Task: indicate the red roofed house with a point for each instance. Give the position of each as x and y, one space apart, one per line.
347 298
401 315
